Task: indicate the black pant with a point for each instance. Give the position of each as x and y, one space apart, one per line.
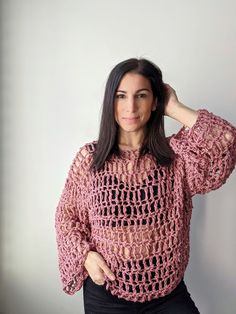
97 300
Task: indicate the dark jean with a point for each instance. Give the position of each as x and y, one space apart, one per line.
97 300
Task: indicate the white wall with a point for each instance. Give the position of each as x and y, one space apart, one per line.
56 56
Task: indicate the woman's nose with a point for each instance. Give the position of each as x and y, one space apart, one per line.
131 105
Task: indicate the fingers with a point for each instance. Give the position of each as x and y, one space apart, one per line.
98 277
169 88
106 270
171 93
97 268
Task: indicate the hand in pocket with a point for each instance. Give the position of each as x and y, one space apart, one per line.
97 268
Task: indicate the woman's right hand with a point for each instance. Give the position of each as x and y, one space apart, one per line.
97 268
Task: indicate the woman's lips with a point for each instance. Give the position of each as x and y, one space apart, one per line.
130 120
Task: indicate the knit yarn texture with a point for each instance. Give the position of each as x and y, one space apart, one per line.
136 213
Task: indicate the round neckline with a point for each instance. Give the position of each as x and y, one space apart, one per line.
130 152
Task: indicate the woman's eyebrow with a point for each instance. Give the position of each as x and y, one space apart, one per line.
139 90
142 89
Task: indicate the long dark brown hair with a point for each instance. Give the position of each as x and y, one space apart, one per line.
155 141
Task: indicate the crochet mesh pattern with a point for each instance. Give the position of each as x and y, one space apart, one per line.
136 213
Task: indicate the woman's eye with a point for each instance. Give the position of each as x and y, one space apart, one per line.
120 96
141 95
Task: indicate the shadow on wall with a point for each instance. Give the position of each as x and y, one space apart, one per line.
211 290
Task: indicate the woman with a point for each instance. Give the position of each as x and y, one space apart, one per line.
124 215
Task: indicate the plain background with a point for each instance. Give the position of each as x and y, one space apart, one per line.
55 59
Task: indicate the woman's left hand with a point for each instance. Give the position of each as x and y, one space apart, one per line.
171 100
177 110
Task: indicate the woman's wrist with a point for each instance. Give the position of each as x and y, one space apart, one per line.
171 108
183 114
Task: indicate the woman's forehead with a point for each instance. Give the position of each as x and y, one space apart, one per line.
134 81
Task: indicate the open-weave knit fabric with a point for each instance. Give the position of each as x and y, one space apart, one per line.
136 213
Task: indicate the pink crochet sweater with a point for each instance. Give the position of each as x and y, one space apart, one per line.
137 215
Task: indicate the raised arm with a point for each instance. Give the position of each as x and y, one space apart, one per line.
206 143
178 111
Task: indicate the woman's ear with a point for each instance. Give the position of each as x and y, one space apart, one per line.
154 105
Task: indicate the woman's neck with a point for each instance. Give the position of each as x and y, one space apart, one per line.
130 140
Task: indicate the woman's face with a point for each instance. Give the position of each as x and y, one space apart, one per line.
134 102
